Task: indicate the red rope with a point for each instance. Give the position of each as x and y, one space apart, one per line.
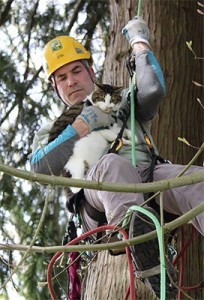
131 288
184 247
181 265
192 288
180 257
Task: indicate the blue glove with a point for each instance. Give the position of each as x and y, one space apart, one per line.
136 30
95 118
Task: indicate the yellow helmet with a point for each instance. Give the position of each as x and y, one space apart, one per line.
61 51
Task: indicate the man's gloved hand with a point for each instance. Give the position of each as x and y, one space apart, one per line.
136 30
95 118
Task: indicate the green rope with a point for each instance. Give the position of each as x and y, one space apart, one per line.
161 245
139 7
132 103
138 208
132 116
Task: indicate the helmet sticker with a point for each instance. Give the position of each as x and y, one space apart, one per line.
78 50
56 45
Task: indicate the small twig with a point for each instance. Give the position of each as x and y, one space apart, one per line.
198 84
182 172
189 45
184 140
192 160
201 4
200 11
32 242
200 103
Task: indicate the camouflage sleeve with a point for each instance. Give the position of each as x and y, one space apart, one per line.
50 158
150 85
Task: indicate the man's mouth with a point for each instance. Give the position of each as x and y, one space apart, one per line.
73 92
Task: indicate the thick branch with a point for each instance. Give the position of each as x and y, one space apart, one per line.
105 186
116 245
5 12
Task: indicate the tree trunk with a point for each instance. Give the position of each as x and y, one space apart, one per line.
108 278
171 23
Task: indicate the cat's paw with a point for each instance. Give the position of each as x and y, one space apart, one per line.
126 142
128 136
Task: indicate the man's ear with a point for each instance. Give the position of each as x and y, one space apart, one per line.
52 81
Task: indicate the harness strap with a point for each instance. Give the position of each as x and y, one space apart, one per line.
95 214
155 158
117 144
78 199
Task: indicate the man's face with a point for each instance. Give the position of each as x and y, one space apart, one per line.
73 82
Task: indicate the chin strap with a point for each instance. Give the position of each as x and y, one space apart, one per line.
56 89
86 65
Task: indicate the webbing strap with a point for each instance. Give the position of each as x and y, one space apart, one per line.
79 199
117 144
95 214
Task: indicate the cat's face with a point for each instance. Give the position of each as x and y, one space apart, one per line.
106 97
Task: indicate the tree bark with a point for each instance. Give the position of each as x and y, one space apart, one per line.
108 278
172 24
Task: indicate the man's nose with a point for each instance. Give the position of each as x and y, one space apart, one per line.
71 80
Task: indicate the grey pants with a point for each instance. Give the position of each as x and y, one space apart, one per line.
113 168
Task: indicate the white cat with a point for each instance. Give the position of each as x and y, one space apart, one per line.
89 149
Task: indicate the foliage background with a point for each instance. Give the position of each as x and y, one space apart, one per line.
26 101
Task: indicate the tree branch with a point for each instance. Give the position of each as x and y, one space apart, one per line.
105 186
5 12
116 245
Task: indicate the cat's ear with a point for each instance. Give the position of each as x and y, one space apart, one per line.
99 86
89 98
118 88
108 89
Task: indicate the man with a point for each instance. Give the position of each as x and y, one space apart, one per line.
67 65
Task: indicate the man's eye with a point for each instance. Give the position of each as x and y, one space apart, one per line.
62 78
76 71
